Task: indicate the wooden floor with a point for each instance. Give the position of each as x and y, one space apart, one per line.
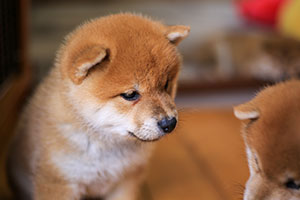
203 159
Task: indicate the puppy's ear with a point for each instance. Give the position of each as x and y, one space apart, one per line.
85 60
177 33
246 111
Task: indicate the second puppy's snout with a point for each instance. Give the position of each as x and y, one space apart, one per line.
167 125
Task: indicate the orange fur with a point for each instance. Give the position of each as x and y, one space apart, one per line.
272 139
73 139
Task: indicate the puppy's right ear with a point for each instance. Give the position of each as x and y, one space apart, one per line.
246 111
84 60
177 33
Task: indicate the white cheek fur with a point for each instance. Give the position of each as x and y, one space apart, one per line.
106 119
100 117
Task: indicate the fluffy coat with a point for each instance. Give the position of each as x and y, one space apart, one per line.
78 137
272 139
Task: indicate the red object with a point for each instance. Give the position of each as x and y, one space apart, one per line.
261 11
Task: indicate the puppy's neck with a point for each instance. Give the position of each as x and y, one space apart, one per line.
86 139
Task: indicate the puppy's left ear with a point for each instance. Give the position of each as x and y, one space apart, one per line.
176 34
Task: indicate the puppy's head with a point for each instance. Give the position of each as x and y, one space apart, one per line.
121 72
272 140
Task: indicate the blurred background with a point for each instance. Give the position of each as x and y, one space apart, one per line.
234 49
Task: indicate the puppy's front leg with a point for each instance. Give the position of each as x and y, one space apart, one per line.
55 191
126 190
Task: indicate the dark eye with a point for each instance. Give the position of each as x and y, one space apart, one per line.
291 184
131 96
167 85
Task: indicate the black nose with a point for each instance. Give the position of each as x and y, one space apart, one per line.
167 125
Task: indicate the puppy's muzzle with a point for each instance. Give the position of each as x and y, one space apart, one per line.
167 125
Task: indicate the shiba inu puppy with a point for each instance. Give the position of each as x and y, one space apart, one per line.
86 130
272 140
